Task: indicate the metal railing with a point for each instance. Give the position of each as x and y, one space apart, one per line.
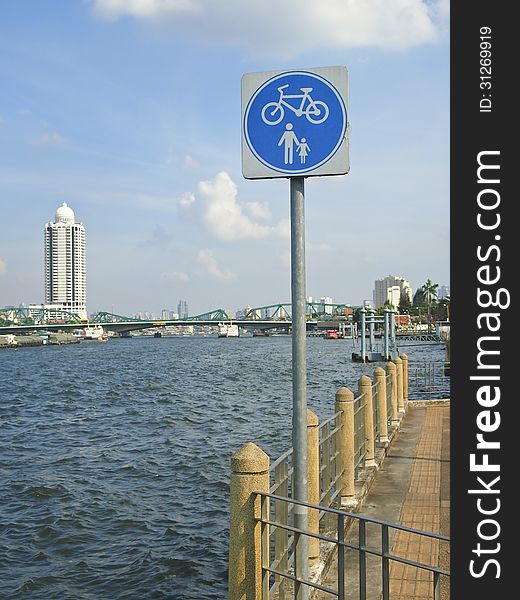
428 380
375 412
278 578
281 471
282 550
389 410
359 433
329 457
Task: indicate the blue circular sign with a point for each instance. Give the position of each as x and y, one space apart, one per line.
295 122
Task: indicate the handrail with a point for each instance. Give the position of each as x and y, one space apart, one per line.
276 568
358 516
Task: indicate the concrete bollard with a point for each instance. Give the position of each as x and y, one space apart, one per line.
345 405
404 358
380 379
392 371
249 473
365 387
399 370
313 478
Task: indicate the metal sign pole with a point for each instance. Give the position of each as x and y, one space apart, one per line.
283 138
299 373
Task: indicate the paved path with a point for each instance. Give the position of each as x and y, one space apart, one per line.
411 488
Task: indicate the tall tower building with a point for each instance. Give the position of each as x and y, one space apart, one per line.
182 309
65 264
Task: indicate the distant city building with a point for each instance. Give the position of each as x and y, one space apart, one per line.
65 263
394 295
165 314
324 300
368 304
443 291
144 316
384 290
47 313
182 309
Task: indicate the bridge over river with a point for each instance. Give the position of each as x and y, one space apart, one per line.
320 317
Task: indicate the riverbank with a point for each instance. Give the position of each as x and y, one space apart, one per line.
51 339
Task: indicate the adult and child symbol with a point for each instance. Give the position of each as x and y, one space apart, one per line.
288 139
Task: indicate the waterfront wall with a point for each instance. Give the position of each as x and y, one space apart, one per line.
20 341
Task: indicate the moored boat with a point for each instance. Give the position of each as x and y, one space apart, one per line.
228 330
331 334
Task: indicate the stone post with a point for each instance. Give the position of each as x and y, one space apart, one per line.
365 387
345 405
399 370
380 379
392 371
313 478
249 473
404 358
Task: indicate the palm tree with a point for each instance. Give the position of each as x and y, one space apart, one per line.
429 289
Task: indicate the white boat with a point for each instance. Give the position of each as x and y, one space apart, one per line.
228 330
94 333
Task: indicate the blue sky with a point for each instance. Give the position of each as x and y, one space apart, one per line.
129 111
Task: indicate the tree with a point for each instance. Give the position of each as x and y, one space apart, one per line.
441 310
418 298
404 303
429 290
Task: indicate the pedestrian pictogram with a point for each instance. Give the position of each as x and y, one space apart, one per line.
295 123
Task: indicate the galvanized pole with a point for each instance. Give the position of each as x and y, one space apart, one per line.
393 342
299 376
371 328
363 339
385 334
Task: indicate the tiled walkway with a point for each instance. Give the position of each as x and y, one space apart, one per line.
411 488
425 507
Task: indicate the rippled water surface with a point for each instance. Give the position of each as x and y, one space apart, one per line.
114 463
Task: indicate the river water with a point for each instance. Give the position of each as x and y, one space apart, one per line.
114 461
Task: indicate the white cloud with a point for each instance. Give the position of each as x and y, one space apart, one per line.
291 27
3 267
190 162
283 229
259 210
186 200
209 262
223 216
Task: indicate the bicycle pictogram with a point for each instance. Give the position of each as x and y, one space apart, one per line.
315 111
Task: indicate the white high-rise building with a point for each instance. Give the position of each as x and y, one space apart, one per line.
65 263
383 290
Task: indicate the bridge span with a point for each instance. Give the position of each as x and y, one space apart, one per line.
22 320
